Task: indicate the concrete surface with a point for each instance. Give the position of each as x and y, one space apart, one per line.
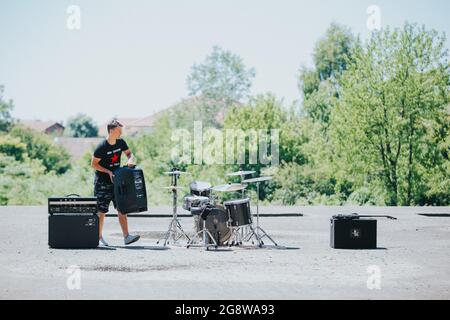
413 260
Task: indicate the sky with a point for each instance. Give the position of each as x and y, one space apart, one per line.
131 58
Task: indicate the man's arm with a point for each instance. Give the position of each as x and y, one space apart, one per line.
96 165
128 153
130 156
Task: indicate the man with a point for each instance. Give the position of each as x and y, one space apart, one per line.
105 161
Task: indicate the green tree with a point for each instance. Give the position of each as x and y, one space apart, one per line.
82 125
333 51
438 176
199 108
392 102
265 112
319 178
318 85
39 146
223 77
6 107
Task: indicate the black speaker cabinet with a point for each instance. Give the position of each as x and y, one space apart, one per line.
353 233
129 190
73 231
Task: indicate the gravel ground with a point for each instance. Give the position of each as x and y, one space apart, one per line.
413 259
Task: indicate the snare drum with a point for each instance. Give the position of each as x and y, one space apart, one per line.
190 202
239 212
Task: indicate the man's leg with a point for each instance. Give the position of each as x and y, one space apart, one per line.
102 192
123 223
101 221
128 238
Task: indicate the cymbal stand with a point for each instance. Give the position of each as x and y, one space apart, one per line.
258 232
175 232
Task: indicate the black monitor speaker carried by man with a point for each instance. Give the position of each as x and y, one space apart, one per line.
129 190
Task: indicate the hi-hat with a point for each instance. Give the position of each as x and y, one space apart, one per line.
240 173
259 179
229 187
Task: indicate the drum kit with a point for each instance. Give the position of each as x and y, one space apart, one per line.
217 224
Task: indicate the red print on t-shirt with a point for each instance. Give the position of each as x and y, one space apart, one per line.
115 158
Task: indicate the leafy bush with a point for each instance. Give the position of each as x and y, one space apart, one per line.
13 147
26 183
39 146
367 196
17 177
6 120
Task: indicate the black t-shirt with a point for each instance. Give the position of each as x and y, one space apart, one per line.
110 158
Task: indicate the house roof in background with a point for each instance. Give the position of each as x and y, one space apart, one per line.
39 125
132 125
77 147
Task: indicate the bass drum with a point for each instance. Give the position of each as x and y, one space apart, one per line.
216 224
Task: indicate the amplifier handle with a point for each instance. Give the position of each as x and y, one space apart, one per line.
374 216
377 216
73 195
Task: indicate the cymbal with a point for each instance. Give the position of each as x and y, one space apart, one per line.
259 179
171 173
229 187
240 173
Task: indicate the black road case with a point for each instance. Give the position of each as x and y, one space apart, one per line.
353 233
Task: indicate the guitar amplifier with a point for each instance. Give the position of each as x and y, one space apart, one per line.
353 232
129 190
72 204
73 222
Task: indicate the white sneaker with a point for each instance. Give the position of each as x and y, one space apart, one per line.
103 242
129 239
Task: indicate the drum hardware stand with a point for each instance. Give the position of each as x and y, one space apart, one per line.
239 232
204 232
241 229
243 190
175 231
237 237
256 231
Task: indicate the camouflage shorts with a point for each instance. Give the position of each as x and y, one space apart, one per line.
105 194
